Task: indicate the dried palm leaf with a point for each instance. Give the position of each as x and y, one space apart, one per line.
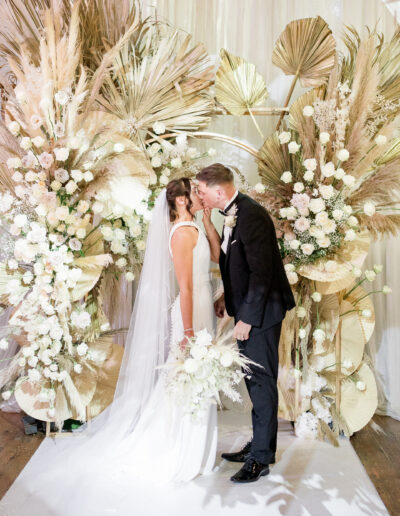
168 84
303 125
380 225
238 86
273 159
306 49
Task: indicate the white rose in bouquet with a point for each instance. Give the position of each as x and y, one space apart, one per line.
284 137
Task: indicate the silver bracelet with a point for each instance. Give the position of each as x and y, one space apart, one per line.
188 329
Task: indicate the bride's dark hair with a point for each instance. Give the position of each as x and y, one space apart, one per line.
178 188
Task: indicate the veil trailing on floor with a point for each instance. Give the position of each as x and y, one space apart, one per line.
146 348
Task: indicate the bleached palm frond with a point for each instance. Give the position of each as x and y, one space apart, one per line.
167 84
238 86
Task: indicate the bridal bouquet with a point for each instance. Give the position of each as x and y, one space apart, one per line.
197 374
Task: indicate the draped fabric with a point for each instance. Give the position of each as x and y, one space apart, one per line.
249 29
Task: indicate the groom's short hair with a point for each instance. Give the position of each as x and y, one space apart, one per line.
215 174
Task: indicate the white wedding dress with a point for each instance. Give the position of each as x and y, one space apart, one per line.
167 443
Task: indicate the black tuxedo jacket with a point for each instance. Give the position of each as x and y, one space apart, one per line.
257 290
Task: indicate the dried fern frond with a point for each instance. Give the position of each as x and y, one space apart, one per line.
238 86
306 49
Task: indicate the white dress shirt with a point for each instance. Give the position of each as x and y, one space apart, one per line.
227 230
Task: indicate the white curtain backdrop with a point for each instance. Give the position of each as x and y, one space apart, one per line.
249 28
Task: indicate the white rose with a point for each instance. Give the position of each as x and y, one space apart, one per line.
156 162
284 137
308 176
121 262
81 233
76 175
324 138
212 152
61 153
38 141
310 164
380 139
190 365
88 176
70 187
83 206
97 207
293 147
31 176
292 277
378 268
316 297
129 276
307 249
350 235
6 395
294 244
317 205
226 359
14 128
289 267
78 368
326 191
340 173
370 275
62 212
17 177
259 188
349 180
322 218
369 209
386 289
308 111
55 185
25 143
81 349
337 214
343 155
301 312
286 177
324 242
328 170
20 220
361 386
141 245
119 147
347 209
302 333
319 335
159 128
298 187
356 272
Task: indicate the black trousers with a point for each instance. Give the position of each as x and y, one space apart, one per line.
262 386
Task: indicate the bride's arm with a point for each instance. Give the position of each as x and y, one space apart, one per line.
212 235
182 244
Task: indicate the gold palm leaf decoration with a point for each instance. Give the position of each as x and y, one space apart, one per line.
167 83
306 49
238 85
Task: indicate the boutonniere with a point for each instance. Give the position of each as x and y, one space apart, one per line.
230 220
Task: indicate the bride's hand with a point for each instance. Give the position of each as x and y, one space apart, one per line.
207 217
185 339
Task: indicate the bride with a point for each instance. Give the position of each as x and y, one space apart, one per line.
143 434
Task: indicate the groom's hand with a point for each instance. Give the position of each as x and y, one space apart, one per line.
241 331
219 306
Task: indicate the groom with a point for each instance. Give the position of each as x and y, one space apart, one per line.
257 294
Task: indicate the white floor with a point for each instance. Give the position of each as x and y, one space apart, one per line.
309 478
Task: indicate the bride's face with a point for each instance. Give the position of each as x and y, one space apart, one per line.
197 205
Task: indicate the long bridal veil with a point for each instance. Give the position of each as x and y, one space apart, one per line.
59 466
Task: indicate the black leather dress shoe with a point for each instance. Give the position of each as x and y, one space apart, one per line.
240 456
251 471
243 455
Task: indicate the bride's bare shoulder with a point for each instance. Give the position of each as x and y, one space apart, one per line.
184 236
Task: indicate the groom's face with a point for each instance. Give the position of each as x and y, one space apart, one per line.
210 195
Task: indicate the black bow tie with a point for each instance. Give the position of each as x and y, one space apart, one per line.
222 212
